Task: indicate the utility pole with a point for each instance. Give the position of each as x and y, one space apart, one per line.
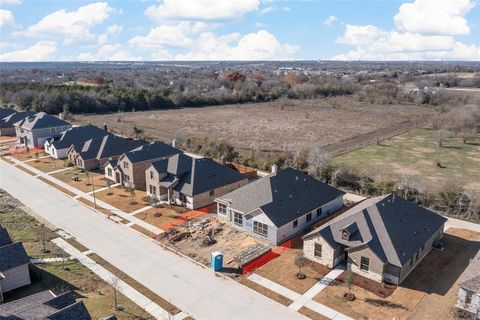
93 193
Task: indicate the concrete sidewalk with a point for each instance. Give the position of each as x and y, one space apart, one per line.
89 197
195 289
132 294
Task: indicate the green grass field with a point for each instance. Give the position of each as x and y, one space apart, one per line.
414 156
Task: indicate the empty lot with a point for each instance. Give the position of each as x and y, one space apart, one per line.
295 124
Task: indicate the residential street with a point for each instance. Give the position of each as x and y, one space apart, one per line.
194 289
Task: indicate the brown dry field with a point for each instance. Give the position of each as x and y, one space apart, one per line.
297 125
429 292
121 199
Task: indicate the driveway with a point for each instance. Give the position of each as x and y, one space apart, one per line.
192 288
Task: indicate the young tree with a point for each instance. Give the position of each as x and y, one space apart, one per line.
348 282
131 189
300 260
153 201
43 237
109 185
114 283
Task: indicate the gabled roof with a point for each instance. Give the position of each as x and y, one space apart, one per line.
470 278
46 306
77 135
392 227
4 237
283 196
151 151
6 112
12 255
41 120
192 176
9 120
106 146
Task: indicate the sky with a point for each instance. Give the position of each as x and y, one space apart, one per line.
155 30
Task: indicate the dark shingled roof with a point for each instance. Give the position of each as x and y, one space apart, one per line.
41 120
470 278
195 176
77 135
392 227
5 112
283 196
107 146
45 306
4 237
9 120
150 151
12 256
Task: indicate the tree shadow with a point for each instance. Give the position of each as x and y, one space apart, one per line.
384 303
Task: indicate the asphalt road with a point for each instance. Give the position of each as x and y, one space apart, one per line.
192 288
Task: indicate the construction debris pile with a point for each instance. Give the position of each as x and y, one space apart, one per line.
199 237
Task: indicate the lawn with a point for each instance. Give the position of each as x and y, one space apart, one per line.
414 156
85 182
47 164
429 292
121 199
282 270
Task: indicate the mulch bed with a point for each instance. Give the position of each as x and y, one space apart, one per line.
381 290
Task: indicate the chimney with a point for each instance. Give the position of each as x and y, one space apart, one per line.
222 160
174 143
105 127
274 168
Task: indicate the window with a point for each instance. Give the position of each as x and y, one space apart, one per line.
237 219
260 228
364 263
319 212
468 297
151 174
212 192
345 235
109 172
126 178
295 223
222 209
153 189
309 217
318 250
125 165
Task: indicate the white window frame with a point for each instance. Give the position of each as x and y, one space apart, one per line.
315 251
221 208
260 228
237 221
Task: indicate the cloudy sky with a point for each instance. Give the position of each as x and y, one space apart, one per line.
53 30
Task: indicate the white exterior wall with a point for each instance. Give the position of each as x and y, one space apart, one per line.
473 307
15 278
110 177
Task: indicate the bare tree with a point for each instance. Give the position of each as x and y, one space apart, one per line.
109 185
300 261
131 189
153 201
319 162
114 283
43 237
348 283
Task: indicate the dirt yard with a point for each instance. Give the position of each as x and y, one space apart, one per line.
282 270
85 182
121 199
429 292
190 239
22 155
47 164
168 216
297 124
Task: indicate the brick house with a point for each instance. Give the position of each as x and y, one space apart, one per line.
191 182
382 238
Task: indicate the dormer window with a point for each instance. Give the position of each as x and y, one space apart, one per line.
345 235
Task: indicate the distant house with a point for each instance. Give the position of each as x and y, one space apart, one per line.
469 288
194 183
57 147
94 153
33 130
130 168
382 238
280 205
45 305
6 123
13 264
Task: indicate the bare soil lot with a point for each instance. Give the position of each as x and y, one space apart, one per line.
48 164
297 124
121 199
84 182
429 292
189 237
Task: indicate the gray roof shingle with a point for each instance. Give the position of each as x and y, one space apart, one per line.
8 121
283 196
77 135
106 146
392 227
195 176
4 237
151 151
12 256
6 112
41 120
45 306
470 278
